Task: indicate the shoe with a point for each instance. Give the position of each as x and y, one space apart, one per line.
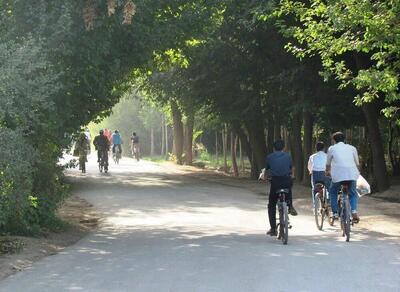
356 219
272 232
335 216
292 211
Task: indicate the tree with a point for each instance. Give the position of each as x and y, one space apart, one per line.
357 44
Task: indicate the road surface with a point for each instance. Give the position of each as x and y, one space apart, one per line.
163 231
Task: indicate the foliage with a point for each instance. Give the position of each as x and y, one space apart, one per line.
357 42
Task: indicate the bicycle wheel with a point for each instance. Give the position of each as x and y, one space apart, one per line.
346 219
284 223
319 211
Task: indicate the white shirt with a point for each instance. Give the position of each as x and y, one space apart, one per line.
343 159
317 162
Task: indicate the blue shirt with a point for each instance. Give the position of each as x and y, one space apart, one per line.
280 163
116 139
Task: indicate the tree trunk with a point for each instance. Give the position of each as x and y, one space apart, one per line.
216 146
270 134
257 143
378 157
166 139
297 146
233 153
241 156
189 139
394 161
162 136
308 131
247 148
178 131
225 146
277 127
152 142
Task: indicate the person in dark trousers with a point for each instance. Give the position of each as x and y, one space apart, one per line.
279 165
102 145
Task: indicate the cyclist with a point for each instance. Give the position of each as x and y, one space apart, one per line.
316 167
102 145
342 163
116 141
89 138
279 164
82 145
135 144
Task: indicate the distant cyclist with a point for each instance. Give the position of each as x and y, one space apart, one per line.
316 167
82 145
102 145
135 145
279 164
342 164
116 141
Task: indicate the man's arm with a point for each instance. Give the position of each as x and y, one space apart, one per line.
328 162
310 165
355 155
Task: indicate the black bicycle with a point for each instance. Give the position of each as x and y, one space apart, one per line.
321 204
283 216
103 162
116 155
344 210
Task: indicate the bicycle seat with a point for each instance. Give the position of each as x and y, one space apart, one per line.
280 191
345 183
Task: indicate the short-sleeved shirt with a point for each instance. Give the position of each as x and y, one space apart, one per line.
279 163
343 159
116 139
317 162
135 139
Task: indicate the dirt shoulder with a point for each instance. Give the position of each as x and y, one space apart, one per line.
81 218
379 212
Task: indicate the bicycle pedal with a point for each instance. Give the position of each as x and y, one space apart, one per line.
289 226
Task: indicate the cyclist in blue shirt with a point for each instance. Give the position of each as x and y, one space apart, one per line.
116 141
279 165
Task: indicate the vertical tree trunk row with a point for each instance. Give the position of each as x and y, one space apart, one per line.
178 131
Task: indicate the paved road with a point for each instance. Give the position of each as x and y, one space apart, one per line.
166 232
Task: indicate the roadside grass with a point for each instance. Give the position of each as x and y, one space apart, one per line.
208 161
158 159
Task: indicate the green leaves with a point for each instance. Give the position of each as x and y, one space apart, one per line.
335 30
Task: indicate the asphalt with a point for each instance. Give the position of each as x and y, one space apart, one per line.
167 231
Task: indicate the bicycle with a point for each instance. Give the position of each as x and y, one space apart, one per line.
321 204
344 210
135 152
116 154
82 163
103 162
283 216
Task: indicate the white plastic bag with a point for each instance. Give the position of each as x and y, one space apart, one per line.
363 187
262 175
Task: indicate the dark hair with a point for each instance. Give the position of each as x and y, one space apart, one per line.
116 131
101 132
134 134
320 146
338 137
279 145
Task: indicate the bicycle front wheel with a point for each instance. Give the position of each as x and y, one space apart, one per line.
319 212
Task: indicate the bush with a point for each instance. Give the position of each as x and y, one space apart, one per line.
16 180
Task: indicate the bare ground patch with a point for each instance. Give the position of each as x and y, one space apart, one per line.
18 252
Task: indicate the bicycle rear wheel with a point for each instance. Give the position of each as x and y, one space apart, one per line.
346 219
284 223
319 211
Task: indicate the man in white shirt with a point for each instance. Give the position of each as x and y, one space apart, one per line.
317 167
342 163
